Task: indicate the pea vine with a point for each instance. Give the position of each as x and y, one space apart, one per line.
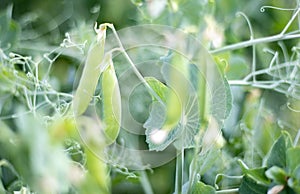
176 106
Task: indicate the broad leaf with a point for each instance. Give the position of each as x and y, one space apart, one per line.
293 159
200 187
184 133
277 155
278 175
9 30
257 174
249 186
205 161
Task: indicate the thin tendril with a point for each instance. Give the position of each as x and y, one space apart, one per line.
291 108
290 21
263 8
248 23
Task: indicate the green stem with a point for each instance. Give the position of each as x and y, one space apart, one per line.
228 191
179 172
135 70
252 42
146 183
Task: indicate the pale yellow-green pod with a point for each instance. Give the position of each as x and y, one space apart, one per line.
111 103
178 82
91 73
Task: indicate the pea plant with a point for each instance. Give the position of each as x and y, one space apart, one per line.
194 98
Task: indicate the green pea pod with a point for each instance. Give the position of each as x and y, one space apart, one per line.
91 73
177 81
111 99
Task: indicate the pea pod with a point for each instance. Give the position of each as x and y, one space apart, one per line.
111 99
177 74
91 73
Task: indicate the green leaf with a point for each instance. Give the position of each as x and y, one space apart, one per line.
2 190
9 30
293 159
277 156
200 187
159 88
183 134
278 175
158 115
238 67
257 174
250 186
221 96
156 118
189 124
294 180
206 160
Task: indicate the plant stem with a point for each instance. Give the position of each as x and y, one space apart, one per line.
254 42
145 183
179 172
297 138
228 191
135 70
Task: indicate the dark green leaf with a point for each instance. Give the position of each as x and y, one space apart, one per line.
9 30
277 155
250 186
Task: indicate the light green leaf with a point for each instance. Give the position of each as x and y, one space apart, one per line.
160 89
200 187
158 116
205 161
238 67
183 134
2 190
293 159
278 175
257 174
221 96
294 180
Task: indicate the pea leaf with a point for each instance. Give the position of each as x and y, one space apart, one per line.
277 156
183 134
293 159
9 30
250 186
200 187
257 174
157 116
277 174
205 161
2 190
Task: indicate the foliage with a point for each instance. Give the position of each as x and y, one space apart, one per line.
151 109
